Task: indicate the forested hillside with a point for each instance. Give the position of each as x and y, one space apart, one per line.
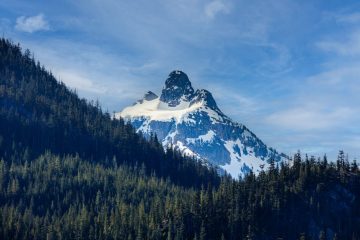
38 113
69 171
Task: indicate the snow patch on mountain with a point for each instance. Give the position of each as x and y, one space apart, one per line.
245 162
208 137
155 110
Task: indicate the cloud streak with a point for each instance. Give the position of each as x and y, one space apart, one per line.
216 7
348 18
307 119
347 47
32 24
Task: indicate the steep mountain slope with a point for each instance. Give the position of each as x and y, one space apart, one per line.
38 113
192 122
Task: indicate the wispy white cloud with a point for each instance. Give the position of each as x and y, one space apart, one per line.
76 81
234 103
352 18
32 24
216 7
348 47
305 119
321 112
95 73
338 76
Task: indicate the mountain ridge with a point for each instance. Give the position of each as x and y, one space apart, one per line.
191 121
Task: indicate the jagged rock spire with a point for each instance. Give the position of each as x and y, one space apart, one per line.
177 87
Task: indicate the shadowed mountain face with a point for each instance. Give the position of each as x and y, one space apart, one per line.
192 122
177 88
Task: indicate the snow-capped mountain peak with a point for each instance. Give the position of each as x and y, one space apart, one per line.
192 122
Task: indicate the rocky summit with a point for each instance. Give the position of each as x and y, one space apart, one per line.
191 121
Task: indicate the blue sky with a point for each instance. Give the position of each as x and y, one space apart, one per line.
289 70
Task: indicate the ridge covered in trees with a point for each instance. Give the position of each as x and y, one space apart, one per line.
69 171
38 113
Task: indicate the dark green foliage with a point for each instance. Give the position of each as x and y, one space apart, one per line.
67 197
68 171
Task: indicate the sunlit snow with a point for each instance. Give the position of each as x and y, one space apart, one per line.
159 111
